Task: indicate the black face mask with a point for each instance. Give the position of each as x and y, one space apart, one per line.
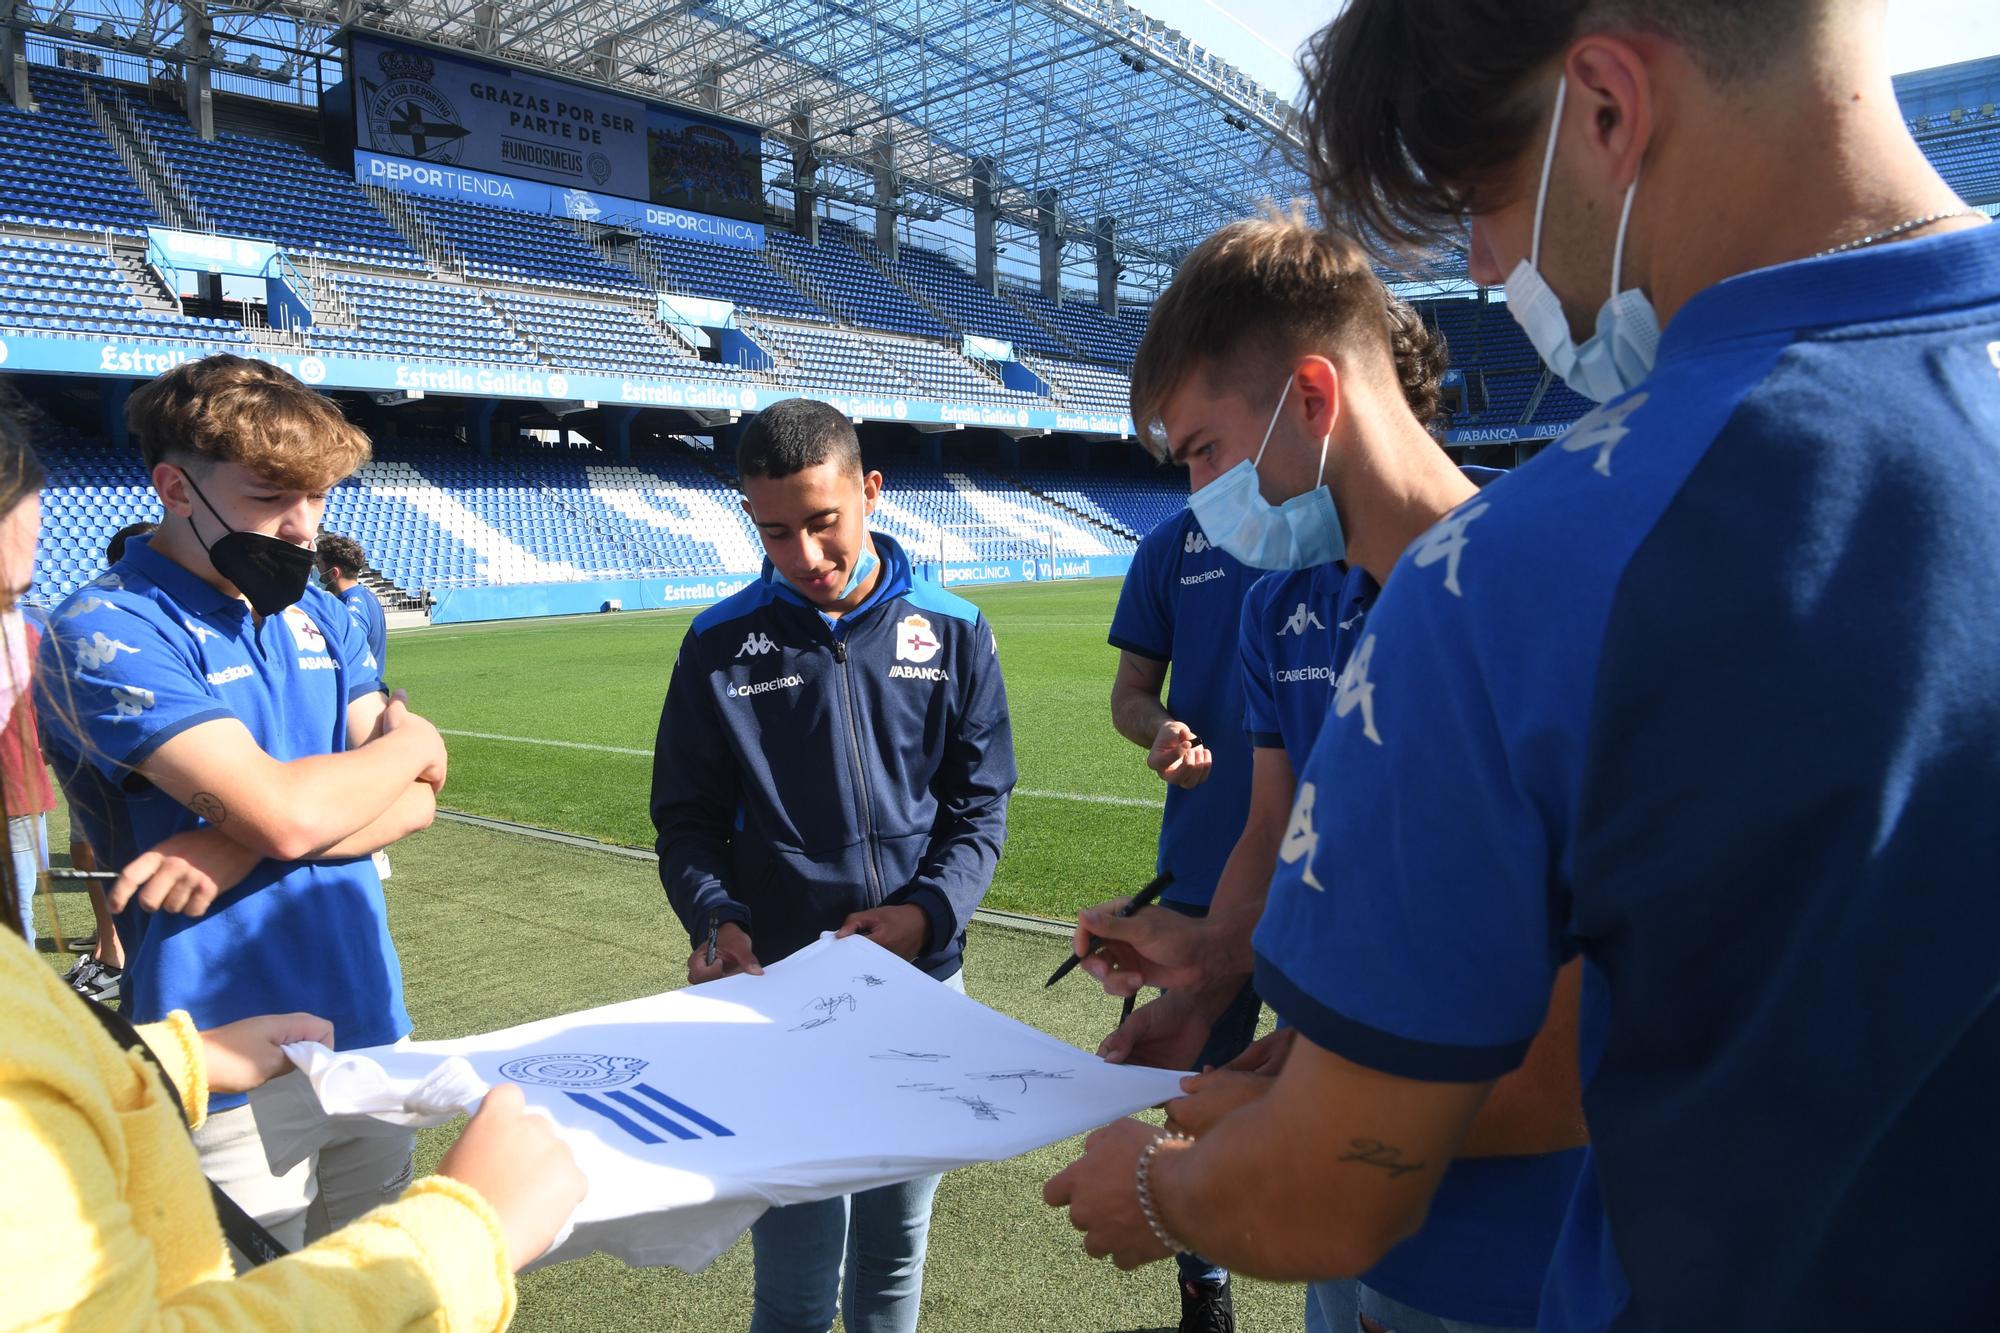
269 571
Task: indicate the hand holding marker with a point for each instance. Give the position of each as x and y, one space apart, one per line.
1143 898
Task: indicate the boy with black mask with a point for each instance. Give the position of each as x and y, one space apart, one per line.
223 724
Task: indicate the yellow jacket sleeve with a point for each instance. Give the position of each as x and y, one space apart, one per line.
106 1222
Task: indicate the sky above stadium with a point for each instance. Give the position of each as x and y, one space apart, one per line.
1261 37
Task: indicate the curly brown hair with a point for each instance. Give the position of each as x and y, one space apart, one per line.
342 553
231 409
1421 361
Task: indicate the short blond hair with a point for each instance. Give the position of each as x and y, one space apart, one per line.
231 409
1260 293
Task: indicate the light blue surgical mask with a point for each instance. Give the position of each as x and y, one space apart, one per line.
863 567
1302 532
1619 355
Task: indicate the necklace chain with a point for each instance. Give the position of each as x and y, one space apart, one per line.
1889 233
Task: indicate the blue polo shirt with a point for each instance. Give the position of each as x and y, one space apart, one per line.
149 651
366 608
1180 604
1297 629
1485 1246
1710 694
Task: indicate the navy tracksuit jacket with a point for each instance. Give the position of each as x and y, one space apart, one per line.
806 769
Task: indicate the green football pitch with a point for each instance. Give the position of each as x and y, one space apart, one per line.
497 928
551 723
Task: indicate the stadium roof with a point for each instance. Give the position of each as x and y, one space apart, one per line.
1120 114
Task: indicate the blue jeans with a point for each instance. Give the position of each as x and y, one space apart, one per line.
28 842
861 1255
1399 1318
1232 1034
877 1237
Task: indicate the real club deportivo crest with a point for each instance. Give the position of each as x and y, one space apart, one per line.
304 633
915 641
409 116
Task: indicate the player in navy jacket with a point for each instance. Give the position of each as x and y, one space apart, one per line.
835 743
834 754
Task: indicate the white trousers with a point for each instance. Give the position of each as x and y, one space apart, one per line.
321 1194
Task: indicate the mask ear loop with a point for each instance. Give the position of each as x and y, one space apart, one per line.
1624 220
1548 161
1274 419
188 477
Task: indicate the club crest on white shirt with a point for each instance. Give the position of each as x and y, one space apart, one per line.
573 1071
915 640
1602 430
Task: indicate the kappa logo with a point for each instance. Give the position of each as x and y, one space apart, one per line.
130 700
915 642
1300 840
1602 430
1446 542
757 645
83 606
99 650
1300 620
1355 690
1195 542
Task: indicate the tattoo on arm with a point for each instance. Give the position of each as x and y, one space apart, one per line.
209 806
1374 1152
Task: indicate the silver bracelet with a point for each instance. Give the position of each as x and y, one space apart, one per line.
1145 1181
